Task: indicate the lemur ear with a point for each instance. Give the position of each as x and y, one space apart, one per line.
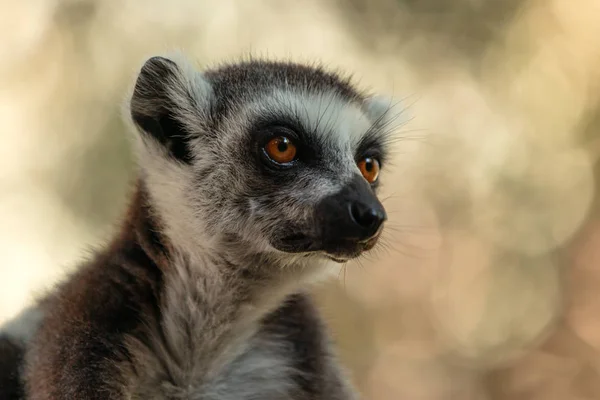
386 112
381 110
168 100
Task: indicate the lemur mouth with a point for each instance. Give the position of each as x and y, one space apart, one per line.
372 241
350 249
339 250
338 260
297 242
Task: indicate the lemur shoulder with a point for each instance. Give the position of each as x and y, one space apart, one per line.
253 177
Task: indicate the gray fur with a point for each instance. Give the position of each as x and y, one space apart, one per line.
216 309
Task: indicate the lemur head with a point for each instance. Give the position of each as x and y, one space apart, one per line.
279 158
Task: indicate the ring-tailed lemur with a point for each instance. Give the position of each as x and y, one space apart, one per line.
252 177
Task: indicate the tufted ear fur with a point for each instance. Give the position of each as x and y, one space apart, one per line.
169 104
384 111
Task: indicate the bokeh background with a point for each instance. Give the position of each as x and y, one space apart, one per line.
488 287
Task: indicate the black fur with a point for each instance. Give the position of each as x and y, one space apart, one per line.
11 360
153 109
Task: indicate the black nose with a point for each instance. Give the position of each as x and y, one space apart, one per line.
367 218
348 219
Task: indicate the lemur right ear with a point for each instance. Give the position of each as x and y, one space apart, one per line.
168 101
385 111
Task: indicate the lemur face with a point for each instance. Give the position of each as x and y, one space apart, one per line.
284 157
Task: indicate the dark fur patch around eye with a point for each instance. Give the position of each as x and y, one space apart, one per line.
153 110
373 144
264 129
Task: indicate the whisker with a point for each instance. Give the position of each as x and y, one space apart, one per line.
423 230
406 249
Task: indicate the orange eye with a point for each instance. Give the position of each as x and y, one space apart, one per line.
281 150
369 167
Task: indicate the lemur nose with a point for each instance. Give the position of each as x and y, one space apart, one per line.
368 218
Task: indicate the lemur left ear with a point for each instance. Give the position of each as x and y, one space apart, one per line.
168 103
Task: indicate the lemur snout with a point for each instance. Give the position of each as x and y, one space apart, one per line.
350 220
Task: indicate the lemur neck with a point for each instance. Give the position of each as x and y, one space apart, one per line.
228 270
210 303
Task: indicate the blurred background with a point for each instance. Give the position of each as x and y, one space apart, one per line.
488 286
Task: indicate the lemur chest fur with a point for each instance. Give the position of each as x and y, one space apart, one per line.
260 368
216 338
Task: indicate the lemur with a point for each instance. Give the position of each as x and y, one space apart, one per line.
253 177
